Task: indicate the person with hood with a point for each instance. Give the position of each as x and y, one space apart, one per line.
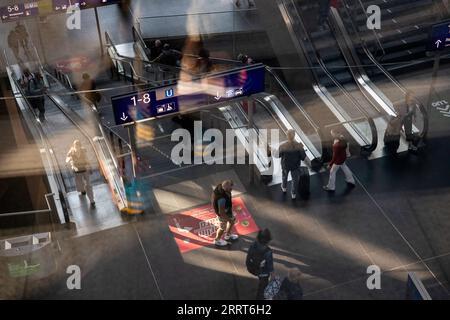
77 159
223 207
340 152
259 261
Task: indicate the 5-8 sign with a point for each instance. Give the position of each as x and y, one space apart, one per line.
14 8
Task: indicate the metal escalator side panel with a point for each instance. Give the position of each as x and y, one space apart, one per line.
321 90
280 111
363 79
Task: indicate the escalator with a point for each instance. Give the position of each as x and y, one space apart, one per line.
66 122
400 44
389 94
333 84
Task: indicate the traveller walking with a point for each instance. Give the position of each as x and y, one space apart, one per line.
77 159
292 153
259 261
340 152
223 207
291 288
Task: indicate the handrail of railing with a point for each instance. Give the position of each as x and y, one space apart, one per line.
101 126
110 43
323 66
197 14
292 98
66 78
91 142
51 158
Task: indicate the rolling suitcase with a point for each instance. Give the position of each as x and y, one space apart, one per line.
304 183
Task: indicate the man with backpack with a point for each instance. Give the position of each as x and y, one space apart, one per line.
259 261
292 154
223 207
340 153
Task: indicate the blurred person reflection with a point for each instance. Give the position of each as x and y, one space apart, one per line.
88 87
77 159
22 35
13 43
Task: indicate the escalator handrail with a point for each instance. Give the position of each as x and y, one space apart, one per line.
93 108
292 98
51 157
110 43
355 103
324 67
137 36
386 73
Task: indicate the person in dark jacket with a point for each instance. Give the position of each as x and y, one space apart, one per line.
168 56
292 154
156 49
340 151
36 91
266 272
291 288
223 207
324 8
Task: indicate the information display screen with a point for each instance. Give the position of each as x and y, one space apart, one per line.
18 11
185 95
440 37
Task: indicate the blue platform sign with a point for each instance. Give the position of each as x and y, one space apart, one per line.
440 37
19 11
63 5
183 96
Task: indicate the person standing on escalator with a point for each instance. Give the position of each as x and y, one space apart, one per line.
78 161
35 89
324 8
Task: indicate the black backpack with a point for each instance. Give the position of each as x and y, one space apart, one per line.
254 258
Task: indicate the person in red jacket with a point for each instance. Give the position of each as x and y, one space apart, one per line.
340 151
